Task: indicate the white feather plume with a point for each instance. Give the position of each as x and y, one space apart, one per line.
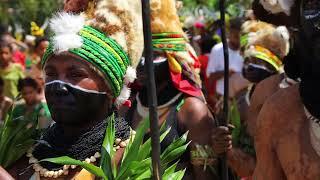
277 6
66 23
130 76
124 96
65 42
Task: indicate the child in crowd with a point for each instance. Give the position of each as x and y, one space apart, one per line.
32 107
5 102
10 72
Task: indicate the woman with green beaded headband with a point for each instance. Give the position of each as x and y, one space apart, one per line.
88 67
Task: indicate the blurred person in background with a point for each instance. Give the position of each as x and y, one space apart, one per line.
32 107
5 102
33 64
215 69
206 44
10 72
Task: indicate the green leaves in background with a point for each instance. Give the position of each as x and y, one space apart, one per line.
16 137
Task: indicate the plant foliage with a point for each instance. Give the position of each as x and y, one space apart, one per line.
16 137
136 161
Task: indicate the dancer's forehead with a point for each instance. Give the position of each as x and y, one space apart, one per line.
73 69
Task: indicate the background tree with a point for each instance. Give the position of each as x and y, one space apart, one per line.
19 13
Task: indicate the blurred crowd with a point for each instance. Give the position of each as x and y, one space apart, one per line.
21 79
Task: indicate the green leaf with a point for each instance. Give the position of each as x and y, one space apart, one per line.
132 152
170 170
109 136
145 148
175 176
107 151
106 164
177 143
138 169
173 155
65 160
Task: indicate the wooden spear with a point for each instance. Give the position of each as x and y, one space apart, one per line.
152 96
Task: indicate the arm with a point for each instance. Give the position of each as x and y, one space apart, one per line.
4 174
215 76
268 165
196 118
243 164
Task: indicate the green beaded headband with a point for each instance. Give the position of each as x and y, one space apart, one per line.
168 42
99 50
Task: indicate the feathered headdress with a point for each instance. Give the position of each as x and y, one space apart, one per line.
169 38
266 42
108 35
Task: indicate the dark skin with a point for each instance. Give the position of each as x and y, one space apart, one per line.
234 44
41 49
30 95
242 163
75 6
194 117
5 57
71 69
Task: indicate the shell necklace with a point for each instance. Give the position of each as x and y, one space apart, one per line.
65 169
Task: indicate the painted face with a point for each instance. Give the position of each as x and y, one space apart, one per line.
256 70
75 93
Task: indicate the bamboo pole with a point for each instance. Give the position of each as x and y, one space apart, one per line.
152 100
224 121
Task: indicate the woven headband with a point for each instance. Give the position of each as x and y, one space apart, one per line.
265 55
102 52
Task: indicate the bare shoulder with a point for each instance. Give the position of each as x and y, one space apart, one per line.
265 89
194 110
283 109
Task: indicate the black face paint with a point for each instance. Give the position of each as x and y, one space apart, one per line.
72 105
256 73
165 89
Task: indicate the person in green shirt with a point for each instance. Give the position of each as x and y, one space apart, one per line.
10 72
32 107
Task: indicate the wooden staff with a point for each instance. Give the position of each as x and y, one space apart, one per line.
224 120
152 96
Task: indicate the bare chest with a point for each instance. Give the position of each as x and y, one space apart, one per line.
297 156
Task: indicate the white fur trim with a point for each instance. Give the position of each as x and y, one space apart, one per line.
124 95
277 6
130 76
66 23
65 42
66 28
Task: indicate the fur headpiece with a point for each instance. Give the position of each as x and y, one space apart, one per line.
169 38
108 35
267 42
